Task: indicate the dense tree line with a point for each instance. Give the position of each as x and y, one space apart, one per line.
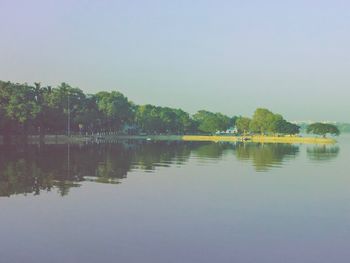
34 109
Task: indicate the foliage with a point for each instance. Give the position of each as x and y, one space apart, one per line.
323 129
285 127
115 107
209 122
265 121
243 124
19 102
36 109
153 119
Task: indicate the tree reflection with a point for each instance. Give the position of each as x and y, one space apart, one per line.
150 155
265 156
22 177
32 169
29 169
213 150
322 152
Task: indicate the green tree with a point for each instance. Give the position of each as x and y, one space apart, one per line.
265 121
233 121
89 118
243 124
66 100
116 109
323 129
154 119
184 122
147 118
45 119
210 122
285 127
18 106
262 121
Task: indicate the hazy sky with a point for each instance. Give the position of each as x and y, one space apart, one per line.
229 56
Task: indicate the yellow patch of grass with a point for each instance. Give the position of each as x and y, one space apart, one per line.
261 139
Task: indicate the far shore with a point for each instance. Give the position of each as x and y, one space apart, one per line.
79 139
225 138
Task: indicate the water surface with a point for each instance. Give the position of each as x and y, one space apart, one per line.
175 202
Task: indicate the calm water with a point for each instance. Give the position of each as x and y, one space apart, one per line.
175 202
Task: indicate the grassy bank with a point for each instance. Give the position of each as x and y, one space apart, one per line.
257 139
262 139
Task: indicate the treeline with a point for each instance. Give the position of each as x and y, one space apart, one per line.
36 109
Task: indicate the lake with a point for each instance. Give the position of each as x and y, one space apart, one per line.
147 201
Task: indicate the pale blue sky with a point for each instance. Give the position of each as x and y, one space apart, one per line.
229 56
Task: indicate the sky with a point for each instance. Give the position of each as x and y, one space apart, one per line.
292 57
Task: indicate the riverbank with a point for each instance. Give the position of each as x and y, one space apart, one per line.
79 139
215 138
49 139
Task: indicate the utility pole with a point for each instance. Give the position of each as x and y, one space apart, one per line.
68 121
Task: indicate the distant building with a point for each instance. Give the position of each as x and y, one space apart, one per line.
232 130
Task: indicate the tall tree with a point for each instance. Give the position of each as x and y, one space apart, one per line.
210 122
154 119
67 102
262 120
18 104
285 127
243 124
116 109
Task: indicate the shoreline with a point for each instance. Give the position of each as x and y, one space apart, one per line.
80 139
220 138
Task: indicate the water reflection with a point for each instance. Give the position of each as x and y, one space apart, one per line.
214 151
148 156
322 152
32 169
265 156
